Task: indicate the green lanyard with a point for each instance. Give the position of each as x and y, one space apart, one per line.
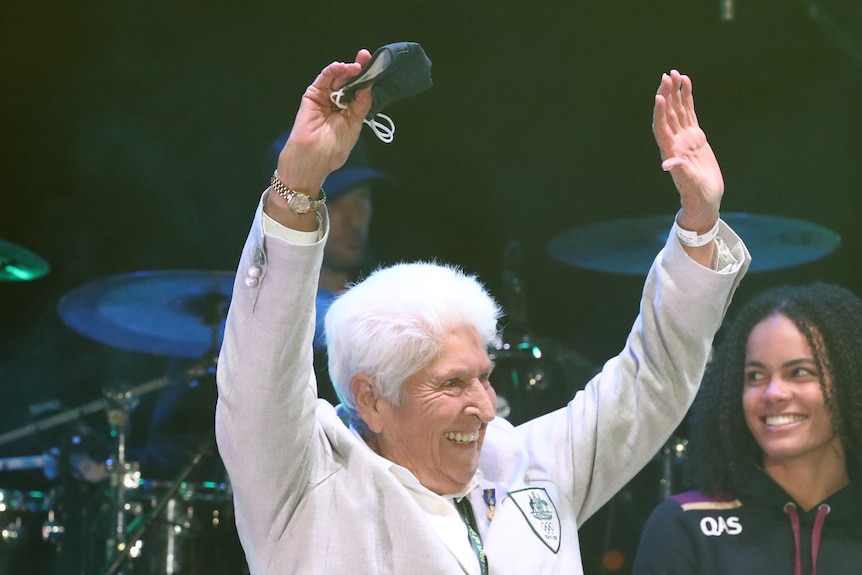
466 511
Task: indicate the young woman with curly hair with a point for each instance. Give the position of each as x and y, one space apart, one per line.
775 444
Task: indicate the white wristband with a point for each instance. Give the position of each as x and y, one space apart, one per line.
692 239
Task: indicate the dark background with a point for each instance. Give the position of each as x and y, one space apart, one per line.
134 138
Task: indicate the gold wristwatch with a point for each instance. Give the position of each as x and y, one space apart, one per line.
297 202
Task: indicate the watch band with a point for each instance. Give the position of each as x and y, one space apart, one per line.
297 202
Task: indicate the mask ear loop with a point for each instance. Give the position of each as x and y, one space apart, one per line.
335 98
384 128
385 133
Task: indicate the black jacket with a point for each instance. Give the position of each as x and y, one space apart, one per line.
762 532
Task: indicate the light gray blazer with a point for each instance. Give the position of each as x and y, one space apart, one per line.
312 498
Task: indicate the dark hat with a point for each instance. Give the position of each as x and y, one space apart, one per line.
355 171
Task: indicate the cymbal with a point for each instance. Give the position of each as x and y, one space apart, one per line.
178 313
629 245
20 264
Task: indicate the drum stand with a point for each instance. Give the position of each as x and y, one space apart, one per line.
123 475
128 536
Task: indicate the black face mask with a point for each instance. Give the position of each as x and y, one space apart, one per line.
397 71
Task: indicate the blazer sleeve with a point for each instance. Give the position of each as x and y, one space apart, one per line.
613 427
265 417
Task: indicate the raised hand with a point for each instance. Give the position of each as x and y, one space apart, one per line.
323 135
686 154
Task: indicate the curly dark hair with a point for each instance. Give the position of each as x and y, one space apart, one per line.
722 448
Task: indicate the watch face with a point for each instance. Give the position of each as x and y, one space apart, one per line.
300 203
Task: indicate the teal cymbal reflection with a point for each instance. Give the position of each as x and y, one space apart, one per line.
629 245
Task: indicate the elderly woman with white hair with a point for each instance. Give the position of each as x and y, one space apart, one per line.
413 473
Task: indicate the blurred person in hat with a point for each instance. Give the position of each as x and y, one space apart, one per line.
346 256
175 423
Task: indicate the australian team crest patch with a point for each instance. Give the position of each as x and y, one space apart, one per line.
539 511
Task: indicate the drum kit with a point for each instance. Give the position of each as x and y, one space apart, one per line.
139 525
178 526
18 264
629 245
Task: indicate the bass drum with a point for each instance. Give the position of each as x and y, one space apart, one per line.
194 534
28 532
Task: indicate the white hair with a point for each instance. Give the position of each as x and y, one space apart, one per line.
394 323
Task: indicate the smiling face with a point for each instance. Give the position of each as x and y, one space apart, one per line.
438 431
783 398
